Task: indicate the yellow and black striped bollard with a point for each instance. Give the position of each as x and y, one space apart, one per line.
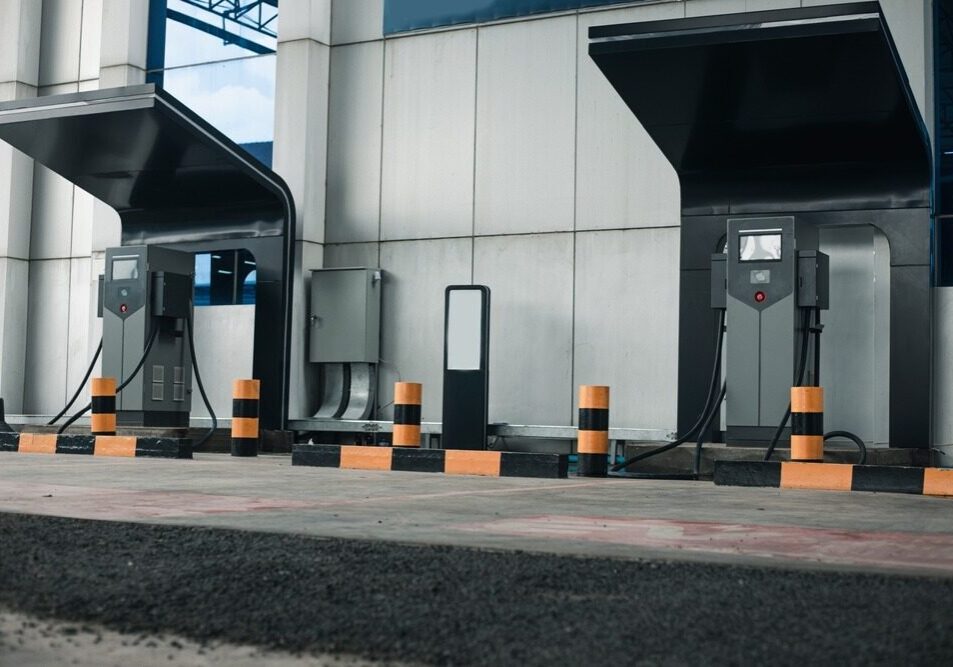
102 420
807 424
245 399
593 436
407 401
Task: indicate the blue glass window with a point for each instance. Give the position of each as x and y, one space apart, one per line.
236 96
218 57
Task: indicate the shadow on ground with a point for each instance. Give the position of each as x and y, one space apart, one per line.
450 605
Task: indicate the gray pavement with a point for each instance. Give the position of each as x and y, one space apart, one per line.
234 559
615 518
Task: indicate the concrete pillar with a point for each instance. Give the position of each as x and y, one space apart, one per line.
125 32
19 48
119 60
62 220
19 71
300 157
355 21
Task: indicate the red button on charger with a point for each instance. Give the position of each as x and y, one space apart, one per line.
760 296
123 308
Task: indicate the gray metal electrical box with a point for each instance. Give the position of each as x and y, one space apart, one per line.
813 275
345 315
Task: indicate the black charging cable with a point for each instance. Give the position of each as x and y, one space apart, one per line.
700 442
861 447
707 413
198 380
125 383
79 389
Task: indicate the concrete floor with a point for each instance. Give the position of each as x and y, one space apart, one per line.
120 590
26 641
615 518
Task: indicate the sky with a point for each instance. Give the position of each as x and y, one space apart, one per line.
228 87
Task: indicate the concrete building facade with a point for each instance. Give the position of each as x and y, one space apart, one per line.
494 153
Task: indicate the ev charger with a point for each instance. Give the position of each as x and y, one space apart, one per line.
147 290
773 273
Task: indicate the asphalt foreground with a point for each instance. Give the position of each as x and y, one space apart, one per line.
451 605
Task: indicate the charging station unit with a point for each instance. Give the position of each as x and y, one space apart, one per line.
774 273
800 118
177 184
146 293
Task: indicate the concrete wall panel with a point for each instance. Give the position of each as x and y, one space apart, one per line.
121 75
80 345
627 286
525 143
51 231
81 241
20 22
222 335
623 180
531 283
301 130
352 255
97 268
12 90
58 89
354 143
416 275
303 391
356 21
60 41
48 337
125 31
427 185
14 275
855 347
761 5
305 19
16 202
106 227
712 7
92 37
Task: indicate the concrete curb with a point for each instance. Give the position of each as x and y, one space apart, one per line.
102 445
447 461
835 477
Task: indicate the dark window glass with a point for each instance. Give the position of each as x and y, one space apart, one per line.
403 15
225 278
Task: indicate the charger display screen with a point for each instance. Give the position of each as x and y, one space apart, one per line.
125 269
759 247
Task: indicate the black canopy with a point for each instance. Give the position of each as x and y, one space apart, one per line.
176 181
782 105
